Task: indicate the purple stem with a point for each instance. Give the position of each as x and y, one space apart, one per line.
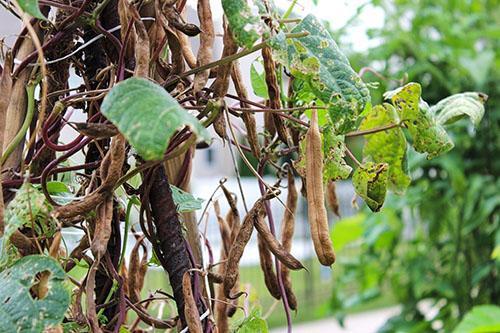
270 218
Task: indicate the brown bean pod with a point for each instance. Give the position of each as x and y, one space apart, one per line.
207 37
287 230
238 246
331 198
102 231
276 248
133 271
247 117
318 220
220 311
274 94
233 216
266 264
190 308
224 230
214 277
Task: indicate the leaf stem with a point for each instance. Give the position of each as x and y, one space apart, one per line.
372 130
30 91
229 59
352 157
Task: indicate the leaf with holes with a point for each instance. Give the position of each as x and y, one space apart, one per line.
334 165
26 209
147 116
20 312
185 201
457 106
370 183
244 21
31 7
427 134
388 146
317 59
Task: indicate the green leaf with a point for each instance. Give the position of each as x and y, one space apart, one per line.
31 7
57 187
370 183
244 21
428 136
335 167
254 323
27 207
496 253
317 59
388 146
347 230
481 319
258 80
147 116
457 106
20 312
185 201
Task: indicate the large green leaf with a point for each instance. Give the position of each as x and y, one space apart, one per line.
481 319
370 183
388 146
147 116
31 7
185 201
428 136
317 59
19 311
457 106
244 21
347 230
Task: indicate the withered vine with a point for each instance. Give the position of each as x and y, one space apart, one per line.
148 99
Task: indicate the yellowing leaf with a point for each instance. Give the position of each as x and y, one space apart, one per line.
370 183
334 165
428 136
457 106
244 21
388 146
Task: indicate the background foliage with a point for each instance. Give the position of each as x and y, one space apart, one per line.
437 243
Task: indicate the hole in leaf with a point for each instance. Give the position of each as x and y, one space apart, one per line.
40 287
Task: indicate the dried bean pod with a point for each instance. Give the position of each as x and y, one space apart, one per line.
276 248
238 246
274 94
266 264
191 312
247 117
287 230
331 198
207 37
316 210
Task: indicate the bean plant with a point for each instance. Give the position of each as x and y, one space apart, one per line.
150 101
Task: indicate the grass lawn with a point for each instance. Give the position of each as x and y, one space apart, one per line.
313 290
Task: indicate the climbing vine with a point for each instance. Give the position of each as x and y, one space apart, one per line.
150 102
